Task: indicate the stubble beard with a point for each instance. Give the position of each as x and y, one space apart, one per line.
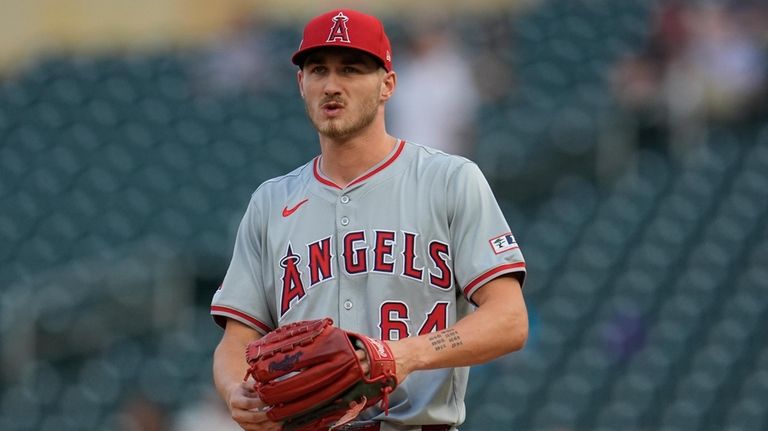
337 128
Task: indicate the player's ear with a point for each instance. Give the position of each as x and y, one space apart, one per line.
388 85
300 80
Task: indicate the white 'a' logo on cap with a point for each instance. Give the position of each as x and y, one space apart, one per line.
339 30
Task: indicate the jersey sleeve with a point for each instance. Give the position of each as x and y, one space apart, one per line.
241 295
484 246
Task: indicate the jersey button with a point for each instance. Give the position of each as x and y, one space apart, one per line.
345 199
347 304
344 221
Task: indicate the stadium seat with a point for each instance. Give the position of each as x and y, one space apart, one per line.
646 294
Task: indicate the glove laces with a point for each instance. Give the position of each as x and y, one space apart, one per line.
251 371
385 401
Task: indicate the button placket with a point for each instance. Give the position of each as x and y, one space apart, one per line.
344 199
345 212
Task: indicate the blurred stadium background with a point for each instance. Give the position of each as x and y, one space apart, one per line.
626 140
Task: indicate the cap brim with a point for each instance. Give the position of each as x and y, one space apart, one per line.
301 55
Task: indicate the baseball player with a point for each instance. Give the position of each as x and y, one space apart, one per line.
389 238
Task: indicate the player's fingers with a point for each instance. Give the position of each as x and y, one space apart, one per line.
245 398
257 420
364 364
248 388
247 403
259 428
262 427
249 411
265 426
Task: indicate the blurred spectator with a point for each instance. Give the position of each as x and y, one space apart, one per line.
668 37
208 414
493 55
238 60
138 413
704 64
720 71
436 99
636 82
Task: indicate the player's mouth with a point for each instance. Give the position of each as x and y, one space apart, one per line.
332 109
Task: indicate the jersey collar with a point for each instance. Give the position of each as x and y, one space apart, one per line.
319 176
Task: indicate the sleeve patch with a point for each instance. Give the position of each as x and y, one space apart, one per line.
503 243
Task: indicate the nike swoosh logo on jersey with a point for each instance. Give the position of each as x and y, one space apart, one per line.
288 211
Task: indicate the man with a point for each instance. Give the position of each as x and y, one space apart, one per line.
390 239
437 112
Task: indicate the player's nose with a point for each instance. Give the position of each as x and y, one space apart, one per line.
332 85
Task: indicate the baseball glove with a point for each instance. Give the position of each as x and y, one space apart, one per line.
309 374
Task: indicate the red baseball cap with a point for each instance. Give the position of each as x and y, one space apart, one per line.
348 29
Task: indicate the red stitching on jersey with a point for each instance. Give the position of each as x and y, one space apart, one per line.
232 311
490 273
380 168
316 170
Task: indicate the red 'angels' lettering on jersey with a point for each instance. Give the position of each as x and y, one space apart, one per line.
355 261
438 251
293 288
437 318
382 253
339 30
320 261
360 257
393 316
409 257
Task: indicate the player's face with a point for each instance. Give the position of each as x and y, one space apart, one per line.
343 91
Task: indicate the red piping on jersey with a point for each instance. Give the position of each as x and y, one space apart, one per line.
232 311
330 183
321 179
490 273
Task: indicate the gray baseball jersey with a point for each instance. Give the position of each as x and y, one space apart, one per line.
398 252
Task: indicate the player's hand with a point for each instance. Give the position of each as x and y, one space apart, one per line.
404 364
364 363
402 370
248 410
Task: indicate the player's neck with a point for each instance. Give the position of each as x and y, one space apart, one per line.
343 161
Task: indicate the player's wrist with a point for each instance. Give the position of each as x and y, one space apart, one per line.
407 359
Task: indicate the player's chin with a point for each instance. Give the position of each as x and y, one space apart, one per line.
332 130
322 124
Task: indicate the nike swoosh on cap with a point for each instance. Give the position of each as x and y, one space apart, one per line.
288 211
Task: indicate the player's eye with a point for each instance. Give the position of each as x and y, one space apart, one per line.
317 69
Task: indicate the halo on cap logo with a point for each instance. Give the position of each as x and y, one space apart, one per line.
339 32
